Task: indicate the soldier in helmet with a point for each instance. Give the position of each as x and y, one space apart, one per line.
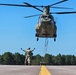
28 54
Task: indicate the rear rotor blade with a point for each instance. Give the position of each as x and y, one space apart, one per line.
32 16
58 2
72 12
33 6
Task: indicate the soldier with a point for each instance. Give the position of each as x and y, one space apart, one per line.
28 54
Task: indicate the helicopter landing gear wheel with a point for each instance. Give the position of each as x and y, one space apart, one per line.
36 35
55 39
37 38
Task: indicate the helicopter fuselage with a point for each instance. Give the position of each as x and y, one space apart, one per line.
46 27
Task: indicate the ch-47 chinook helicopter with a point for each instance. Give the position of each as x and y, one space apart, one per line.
46 26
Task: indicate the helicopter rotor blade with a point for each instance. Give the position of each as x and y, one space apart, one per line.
28 5
32 6
32 16
14 5
72 12
61 8
58 2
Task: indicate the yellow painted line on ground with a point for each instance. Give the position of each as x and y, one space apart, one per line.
44 71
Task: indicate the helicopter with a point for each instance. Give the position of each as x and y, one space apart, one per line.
46 26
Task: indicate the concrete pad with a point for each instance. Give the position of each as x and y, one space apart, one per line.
19 70
35 70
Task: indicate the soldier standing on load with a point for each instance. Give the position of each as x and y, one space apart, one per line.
28 54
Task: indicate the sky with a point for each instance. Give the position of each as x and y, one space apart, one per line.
18 32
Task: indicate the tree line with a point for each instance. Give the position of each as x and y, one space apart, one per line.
9 58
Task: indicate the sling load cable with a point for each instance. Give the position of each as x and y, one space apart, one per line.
45 49
46 45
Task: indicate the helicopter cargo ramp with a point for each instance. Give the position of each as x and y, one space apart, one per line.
37 70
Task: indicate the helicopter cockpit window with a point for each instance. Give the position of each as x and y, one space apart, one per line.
45 17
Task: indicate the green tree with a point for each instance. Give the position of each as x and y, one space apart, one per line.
8 58
1 59
73 61
68 59
48 59
59 59
63 60
19 59
54 60
36 59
